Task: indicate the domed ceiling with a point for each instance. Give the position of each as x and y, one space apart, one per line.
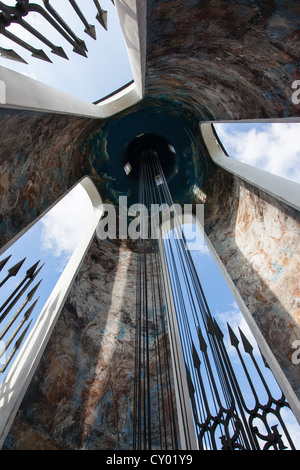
168 128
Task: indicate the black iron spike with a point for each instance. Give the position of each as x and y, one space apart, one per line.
32 292
14 301
19 341
61 26
203 348
37 272
13 271
189 381
3 262
202 343
30 309
14 334
247 346
89 29
233 338
218 331
101 15
210 326
102 19
31 270
7 327
15 349
38 53
191 389
195 356
29 275
27 300
58 50
12 55
79 49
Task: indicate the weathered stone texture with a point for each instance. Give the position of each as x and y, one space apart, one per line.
37 165
224 59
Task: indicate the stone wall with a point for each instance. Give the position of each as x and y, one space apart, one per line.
37 165
224 59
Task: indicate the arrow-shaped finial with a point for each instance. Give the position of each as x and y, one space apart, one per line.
13 271
233 338
32 292
247 346
195 356
30 271
30 309
202 343
219 332
210 326
12 55
3 262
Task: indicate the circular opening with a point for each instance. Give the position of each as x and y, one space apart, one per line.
133 152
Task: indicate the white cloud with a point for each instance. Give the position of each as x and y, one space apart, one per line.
64 225
273 147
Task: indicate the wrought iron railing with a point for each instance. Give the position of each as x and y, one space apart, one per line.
8 317
236 403
236 425
235 406
16 14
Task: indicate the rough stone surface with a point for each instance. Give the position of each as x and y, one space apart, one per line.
37 165
224 59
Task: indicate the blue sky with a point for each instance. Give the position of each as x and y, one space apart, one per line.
273 147
51 240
